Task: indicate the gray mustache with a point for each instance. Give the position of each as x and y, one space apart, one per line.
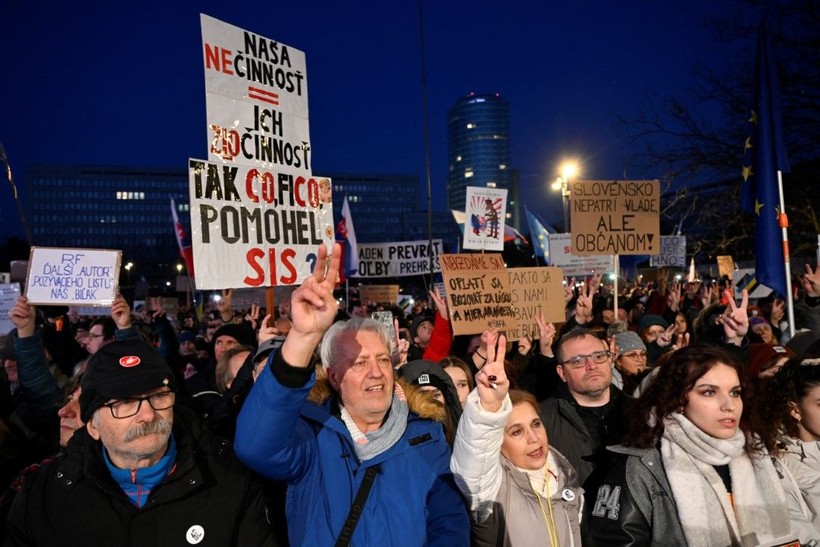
160 426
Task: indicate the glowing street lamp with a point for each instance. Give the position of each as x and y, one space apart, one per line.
128 271
568 169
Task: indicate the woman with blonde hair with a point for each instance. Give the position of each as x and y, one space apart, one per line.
521 491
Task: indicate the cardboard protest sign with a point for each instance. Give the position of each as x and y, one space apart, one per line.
62 276
574 266
673 252
615 217
486 211
478 292
536 290
9 292
254 228
726 266
397 259
379 294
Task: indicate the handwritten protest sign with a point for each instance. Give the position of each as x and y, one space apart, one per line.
615 217
87 277
536 290
254 228
478 292
485 210
673 252
573 266
381 294
245 65
257 212
397 259
9 292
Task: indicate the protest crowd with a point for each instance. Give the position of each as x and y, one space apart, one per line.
685 416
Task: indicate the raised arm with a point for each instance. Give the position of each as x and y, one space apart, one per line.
313 309
476 460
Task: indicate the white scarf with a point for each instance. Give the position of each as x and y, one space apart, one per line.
370 445
759 513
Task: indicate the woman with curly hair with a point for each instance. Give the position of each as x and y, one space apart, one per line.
789 411
691 472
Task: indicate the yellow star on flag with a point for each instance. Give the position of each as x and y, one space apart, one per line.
758 207
753 118
747 172
747 144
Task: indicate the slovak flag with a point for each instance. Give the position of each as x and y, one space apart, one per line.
346 235
185 251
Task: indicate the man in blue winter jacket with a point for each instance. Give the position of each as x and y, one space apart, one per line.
357 425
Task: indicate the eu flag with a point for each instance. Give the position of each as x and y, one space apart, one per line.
539 235
764 155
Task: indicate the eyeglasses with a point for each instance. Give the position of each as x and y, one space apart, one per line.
635 355
125 408
598 357
92 335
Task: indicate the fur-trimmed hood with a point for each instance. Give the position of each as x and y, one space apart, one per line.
420 404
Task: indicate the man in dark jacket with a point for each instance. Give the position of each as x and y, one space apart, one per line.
141 472
586 413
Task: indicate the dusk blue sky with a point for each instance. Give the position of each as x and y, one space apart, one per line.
121 83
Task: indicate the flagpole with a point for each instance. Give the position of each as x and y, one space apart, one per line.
783 222
616 267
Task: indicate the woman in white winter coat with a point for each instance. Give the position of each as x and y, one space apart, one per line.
521 492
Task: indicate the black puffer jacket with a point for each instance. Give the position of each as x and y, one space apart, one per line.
209 499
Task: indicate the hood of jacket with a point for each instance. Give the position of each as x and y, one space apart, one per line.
419 403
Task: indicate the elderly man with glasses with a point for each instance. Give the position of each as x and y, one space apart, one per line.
141 471
586 412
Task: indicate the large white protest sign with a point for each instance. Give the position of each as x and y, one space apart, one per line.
9 292
254 228
256 134
485 210
573 266
87 277
673 252
397 259
257 213
242 64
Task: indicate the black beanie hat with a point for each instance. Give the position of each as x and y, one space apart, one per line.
241 333
119 370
